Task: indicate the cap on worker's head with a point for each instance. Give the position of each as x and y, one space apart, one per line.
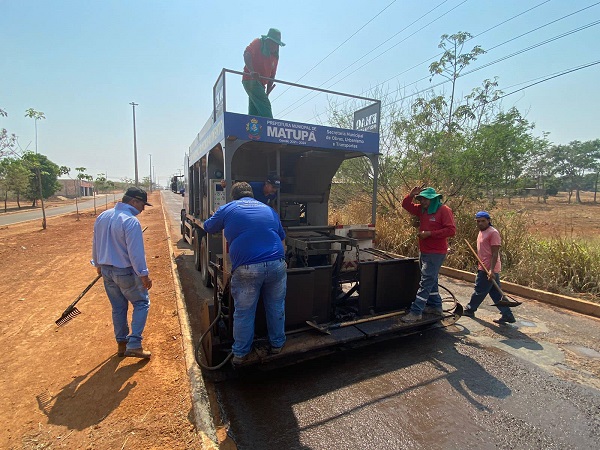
483 215
429 193
274 180
140 194
275 35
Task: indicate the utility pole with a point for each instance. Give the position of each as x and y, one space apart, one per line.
150 177
135 145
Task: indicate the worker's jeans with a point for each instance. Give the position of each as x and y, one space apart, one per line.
258 101
483 287
124 286
428 293
247 284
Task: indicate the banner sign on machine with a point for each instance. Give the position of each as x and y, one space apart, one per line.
264 129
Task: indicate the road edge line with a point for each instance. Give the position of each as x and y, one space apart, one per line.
200 399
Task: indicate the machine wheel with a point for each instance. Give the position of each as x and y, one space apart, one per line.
196 245
204 273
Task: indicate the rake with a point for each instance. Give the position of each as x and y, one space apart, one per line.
71 310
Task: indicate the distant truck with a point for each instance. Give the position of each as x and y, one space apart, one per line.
341 290
177 184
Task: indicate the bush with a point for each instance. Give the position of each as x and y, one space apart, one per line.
559 264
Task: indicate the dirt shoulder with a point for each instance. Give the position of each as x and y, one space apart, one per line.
66 387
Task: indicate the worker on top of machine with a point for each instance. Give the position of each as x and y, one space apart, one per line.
261 58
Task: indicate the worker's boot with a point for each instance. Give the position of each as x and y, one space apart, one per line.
121 347
138 353
411 317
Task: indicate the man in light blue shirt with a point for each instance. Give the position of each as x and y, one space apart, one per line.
118 255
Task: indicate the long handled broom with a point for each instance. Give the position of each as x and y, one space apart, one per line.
505 300
71 310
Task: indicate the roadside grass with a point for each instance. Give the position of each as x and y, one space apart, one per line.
564 263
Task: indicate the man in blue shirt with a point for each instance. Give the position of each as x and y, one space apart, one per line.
266 192
118 255
256 248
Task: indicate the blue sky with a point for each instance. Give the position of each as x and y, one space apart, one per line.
83 62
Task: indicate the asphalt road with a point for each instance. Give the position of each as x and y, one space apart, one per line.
531 385
25 216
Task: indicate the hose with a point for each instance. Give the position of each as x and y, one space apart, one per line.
198 346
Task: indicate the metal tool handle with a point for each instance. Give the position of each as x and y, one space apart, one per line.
489 273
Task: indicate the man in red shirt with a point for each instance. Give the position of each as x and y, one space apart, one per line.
261 58
436 225
488 250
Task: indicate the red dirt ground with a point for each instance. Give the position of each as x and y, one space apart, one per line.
66 387
557 217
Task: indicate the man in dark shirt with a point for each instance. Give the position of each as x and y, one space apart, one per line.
266 192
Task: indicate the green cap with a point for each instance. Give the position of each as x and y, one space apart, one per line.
429 193
275 35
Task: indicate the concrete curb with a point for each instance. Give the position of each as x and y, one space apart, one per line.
200 399
562 301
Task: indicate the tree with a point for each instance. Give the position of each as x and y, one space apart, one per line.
354 178
452 63
49 173
574 160
502 146
81 176
14 177
7 141
539 167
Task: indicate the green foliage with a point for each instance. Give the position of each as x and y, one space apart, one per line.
574 161
48 171
452 62
14 178
559 264
7 141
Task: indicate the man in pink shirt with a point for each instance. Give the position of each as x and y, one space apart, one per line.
436 225
488 249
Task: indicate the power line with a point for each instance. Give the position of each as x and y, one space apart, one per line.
542 26
335 49
477 35
539 44
567 71
371 51
498 45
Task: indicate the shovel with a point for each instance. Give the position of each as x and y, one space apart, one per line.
505 300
